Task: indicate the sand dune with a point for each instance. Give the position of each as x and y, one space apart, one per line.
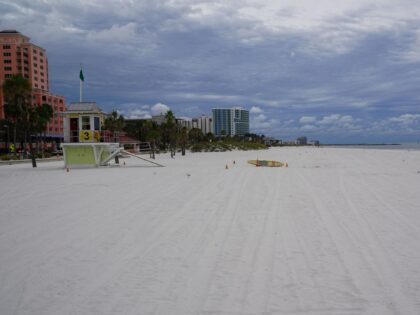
337 232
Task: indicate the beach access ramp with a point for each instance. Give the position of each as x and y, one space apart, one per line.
141 158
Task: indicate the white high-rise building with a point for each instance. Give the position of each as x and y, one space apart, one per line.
204 123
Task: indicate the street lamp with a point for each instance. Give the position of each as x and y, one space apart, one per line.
7 143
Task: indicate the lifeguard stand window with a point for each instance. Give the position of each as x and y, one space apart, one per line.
85 123
96 122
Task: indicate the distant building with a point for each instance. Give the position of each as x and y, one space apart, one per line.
19 56
301 141
204 123
313 142
159 119
230 121
184 122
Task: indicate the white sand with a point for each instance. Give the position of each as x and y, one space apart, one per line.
338 232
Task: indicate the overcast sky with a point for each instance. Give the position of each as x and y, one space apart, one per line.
337 71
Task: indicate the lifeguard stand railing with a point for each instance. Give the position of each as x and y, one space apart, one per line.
77 136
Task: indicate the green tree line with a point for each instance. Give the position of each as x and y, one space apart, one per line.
26 123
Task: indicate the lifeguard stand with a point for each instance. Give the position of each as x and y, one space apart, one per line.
85 144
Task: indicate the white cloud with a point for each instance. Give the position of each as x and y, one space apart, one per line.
335 119
116 33
405 124
135 111
262 122
406 119
255 110
309 128
136 114
159 108
307 119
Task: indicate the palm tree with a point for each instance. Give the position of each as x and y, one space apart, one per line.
183 138
170 131
43 114
114 123
151 133
195 135
17 94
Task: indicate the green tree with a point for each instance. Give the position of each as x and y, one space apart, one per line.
209 137
170 132
114 123
183 139
195 135
153 136
42 116
17 94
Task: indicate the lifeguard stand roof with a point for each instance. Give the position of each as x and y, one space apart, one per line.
84 107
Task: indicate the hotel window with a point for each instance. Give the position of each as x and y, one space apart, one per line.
42 60
42 80
35 65
85 122
36 72
7 68
35 58
6 76
34 51
7 61
42 87
6 54
6 46
36 78
36 85
41 53
42 67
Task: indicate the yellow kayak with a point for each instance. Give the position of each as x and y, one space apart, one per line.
266 163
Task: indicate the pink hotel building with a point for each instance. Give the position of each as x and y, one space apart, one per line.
19 56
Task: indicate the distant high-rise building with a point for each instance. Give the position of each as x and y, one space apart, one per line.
19 56
204 123
230 121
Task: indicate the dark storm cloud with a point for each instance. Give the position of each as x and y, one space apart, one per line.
351 66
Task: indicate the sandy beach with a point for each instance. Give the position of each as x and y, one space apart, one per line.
337 232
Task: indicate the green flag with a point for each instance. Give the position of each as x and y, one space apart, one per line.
82 78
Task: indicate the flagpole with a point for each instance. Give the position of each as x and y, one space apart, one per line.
81 85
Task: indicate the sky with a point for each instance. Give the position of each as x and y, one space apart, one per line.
336 71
